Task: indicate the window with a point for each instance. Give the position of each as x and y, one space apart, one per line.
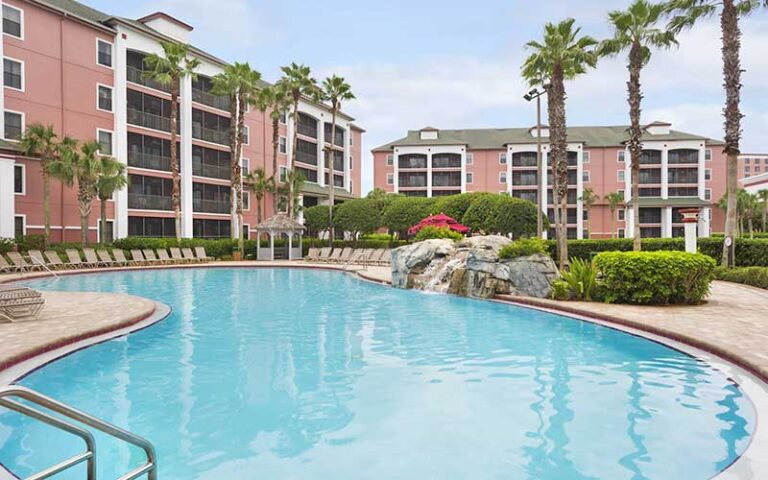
708 194
620 175
620 155
14 125
390 160
283 142
105 141
350 141
708 174
283 173
19 183
585 216
620 214
585 156
246 135
390 179
585 176
108 231
757 168
747 161
13 74
104 53
708 154
104 98
621 233
13 21
470 158
20 225
245 166
469 177
246 200
621 193
503 158
502 177
283 118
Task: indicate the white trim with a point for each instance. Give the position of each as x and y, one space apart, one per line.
23 74
98 228
111 96
247 136
246 194
112 141
21 19
504 179
585 176
503 155
112 53
390 159
621 214
621 176
708 194
23 124
707 174
23 216
23 179
280 170
470 158
390 178
621 156
282 148
708 154
468 178
243 160
586 156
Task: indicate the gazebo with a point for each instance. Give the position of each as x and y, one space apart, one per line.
277 226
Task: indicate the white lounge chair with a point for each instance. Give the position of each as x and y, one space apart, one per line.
54 260
73 256
22 264
201 255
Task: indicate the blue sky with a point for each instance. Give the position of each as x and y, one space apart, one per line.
452 64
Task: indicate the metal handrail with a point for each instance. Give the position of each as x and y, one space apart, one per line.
37 262
149 467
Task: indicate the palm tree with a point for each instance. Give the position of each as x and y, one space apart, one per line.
334 90
763 195
297 83
748 205
635 29
614 199
588 199
112 177
258 183
169 69
83 166
563 55
275 100
40 141
241 84
687 13
288 192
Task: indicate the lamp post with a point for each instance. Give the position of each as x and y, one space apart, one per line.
536 94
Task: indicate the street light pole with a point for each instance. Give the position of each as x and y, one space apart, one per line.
535 93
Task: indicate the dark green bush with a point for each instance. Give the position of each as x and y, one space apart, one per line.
479 215
357 216
523 248
431 231
654 278
217 248
754 276
405 212
317 218
513 216
6 245
455 206
580 279
30 242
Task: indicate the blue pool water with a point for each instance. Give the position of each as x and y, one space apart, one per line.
298 374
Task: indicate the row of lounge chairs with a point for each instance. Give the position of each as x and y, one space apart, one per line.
91 258
348 255
17 303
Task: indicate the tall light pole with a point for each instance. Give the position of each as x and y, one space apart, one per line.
536 94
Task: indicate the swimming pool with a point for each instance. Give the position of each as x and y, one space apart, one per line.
304 374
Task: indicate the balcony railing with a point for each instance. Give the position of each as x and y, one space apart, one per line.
308 158
307 130
206 98
210 206
148 120
136 75
149 202
211 171
149 160
210 135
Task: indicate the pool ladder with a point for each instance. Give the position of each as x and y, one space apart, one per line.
89 455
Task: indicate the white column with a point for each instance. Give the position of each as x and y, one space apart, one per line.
666 222
290 247
7 198
690 237
429 173
185 158
702 174
579 193
704 222
121 132
509 171
463 170
396 175
271 245
665 172
629 217
321 157
348 157
2 98
543 185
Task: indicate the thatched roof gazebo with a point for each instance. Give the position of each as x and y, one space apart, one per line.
277 226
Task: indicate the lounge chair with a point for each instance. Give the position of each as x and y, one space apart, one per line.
386 258
346 254
54 260
36 257
105 258
149 256
120 257
201 255
188 255
22 264
365 257
375 257
138 257
325 253
92 259
355 256
20 303
176 255
335 256
5 266
73 256
312 255
162 255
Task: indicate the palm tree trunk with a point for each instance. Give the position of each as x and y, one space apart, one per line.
331 178
558 146
234 162
275 172
84 202
103 223
176 189
635 135
238 170
47 205
731 35
613 222
259 201
294 142
765 215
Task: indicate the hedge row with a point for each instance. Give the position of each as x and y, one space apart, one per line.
754 276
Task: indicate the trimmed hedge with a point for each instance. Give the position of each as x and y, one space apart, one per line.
654 278
431 231
523 248
754 276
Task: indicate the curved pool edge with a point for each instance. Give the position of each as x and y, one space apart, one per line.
748 466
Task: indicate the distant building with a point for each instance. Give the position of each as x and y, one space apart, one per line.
679 170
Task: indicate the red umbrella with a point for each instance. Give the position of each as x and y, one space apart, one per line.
439 220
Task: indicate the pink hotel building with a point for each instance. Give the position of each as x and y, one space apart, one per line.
679 170
80 70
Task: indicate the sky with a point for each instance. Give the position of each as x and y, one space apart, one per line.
456 64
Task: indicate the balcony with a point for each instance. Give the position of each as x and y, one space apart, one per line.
305 157
210 135
136 75
211 171
210 206
148 120
446 161
149 160
149 202
206 98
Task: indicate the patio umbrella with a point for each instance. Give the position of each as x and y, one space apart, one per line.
439 220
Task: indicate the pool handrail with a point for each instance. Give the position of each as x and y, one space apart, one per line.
149 467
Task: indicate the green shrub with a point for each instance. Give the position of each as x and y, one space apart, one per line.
479 214
6 245
560 290
431 231
357 216
581 279
654 278
30 242
381 237
404 212
455 206
317 218
513 216
754 276
523 248
217 248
